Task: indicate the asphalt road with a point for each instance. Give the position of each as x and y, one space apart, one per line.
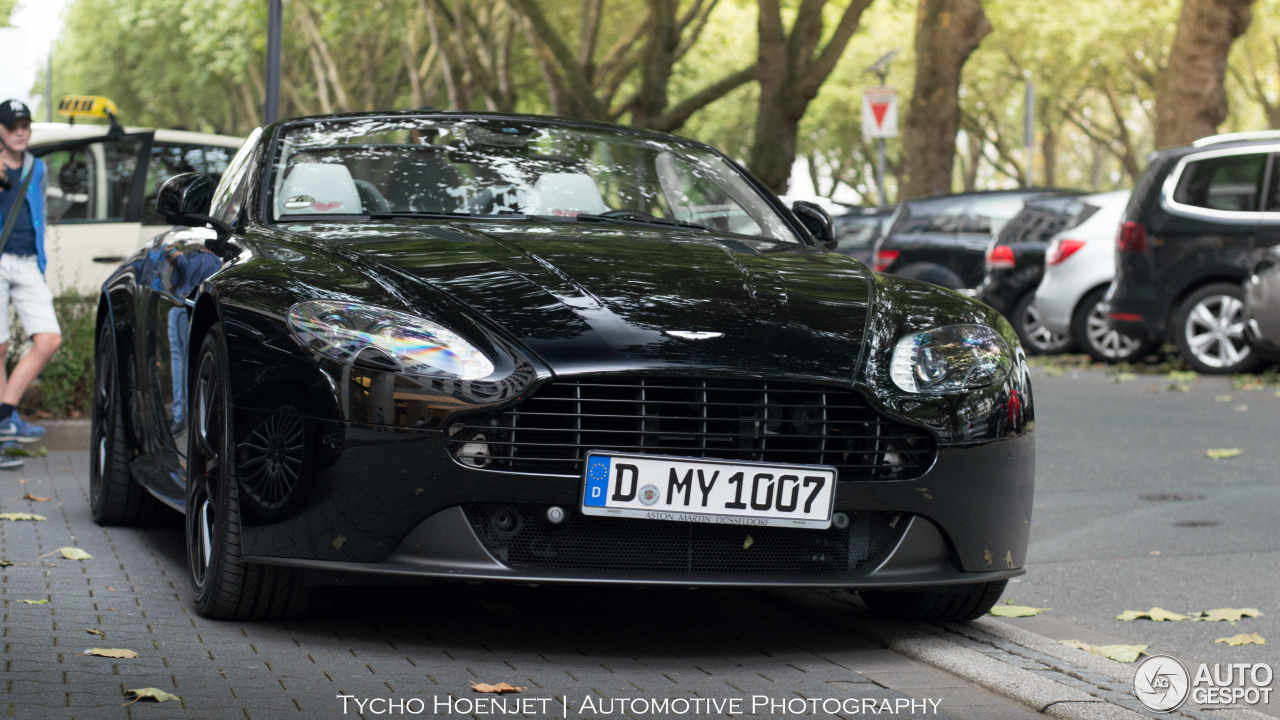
1130 514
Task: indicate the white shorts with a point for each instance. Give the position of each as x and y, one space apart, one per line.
22 282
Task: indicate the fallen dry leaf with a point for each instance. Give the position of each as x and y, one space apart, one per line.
1016 611
1222 398
150 694
111 588
34 602
1156 614
1223 453
1241 408
1243 639
70 553
1231 615
34 498
5 563
1123 377
1119 653
22 481
499 688
96 631
22 516
111 652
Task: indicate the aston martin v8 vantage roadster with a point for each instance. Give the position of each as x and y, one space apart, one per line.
484 347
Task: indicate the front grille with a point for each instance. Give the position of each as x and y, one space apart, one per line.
753 420
586 542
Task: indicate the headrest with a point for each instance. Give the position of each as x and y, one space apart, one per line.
565 194
319 188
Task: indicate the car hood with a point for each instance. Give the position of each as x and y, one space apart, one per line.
603 297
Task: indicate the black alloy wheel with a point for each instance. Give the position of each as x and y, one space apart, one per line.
1099 338
223 584
1036 338
935 606
114 498
1209 330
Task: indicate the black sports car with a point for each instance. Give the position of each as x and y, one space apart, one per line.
402 346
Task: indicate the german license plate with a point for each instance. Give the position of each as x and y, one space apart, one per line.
658 487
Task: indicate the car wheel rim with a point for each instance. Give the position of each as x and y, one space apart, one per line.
1109 342
207 470
1039 336
103 411
1215 332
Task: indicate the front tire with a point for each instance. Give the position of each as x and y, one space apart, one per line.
1099 338
1036 338
1209 330
224 586
935 606
114 497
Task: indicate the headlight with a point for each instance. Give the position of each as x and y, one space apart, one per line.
385 338
950 359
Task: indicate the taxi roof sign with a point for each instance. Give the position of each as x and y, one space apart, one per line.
87 106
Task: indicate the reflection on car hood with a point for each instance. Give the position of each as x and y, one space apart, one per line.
593 297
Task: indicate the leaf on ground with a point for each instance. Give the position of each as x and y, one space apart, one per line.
96 631
5 563
1155 613
111 588
1231 615
1054 372
1183 376
150 694
1222 398
338 542
1016 611
1222 453
111 652
499 688
35 602
74 553
1243 639
35 498
1119 653
22 516
1180 387
1123 377
1241 408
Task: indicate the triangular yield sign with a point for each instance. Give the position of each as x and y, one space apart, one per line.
878 109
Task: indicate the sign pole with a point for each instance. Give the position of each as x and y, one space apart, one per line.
880 117
883 72
271 112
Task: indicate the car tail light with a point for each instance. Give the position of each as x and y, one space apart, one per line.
885 258
1133 238
1000 257
1062 249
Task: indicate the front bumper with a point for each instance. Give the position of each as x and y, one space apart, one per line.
392 505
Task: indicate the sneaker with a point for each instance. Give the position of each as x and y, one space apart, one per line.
10 463
15 428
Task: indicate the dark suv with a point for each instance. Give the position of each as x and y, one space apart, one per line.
944 239
1183 250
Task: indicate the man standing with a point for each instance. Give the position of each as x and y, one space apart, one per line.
22 263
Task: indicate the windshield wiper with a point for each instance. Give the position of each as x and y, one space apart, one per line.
628 218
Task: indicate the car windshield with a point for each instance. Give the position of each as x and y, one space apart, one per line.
503 167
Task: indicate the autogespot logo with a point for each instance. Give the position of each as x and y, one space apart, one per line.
1162 683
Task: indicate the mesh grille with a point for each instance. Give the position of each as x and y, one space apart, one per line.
585 542
755 420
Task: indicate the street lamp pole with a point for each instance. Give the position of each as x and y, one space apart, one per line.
271 112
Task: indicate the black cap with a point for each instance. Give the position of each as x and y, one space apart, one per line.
13 110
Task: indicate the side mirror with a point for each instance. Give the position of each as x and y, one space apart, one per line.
817 222
186 200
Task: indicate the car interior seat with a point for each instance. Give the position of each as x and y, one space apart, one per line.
312 188
565 194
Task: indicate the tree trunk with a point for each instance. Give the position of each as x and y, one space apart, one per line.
947 32
1192 99
791 67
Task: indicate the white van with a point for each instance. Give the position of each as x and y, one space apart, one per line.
102 189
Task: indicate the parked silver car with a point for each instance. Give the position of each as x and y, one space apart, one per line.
1079 265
